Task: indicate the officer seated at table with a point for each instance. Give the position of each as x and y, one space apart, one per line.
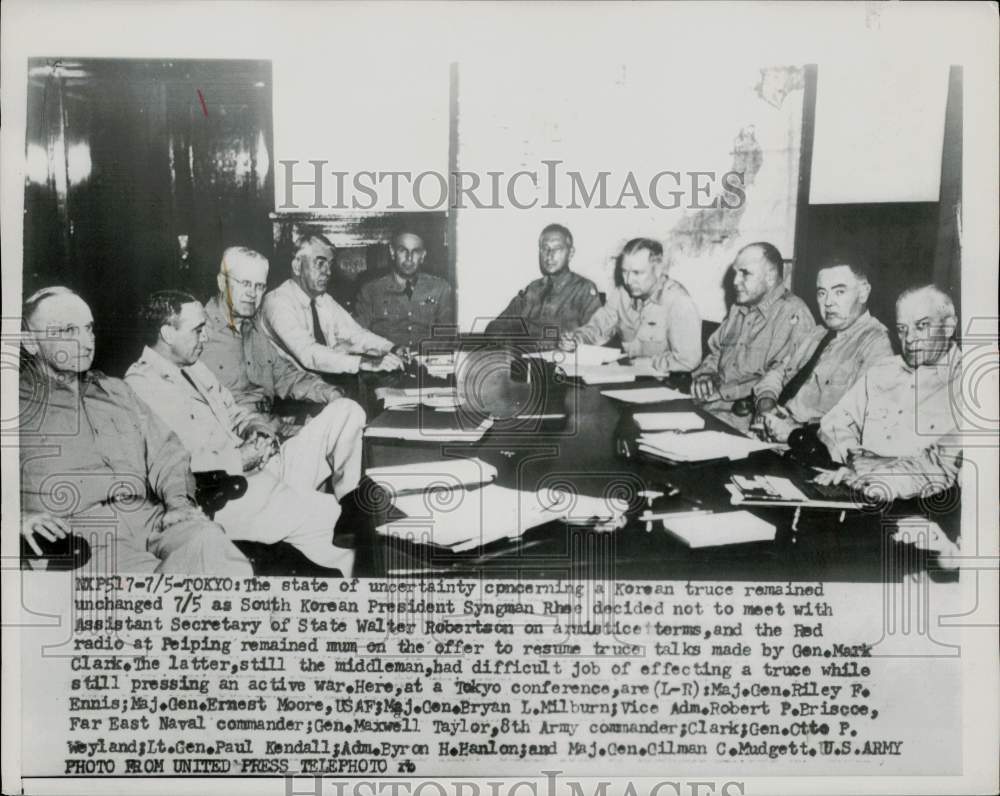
283 501
799 390
96 461
652 313
762 329
312 330
406 305
237 351
560 299
894 430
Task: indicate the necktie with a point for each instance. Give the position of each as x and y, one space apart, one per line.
408 290
799 379
317 328
190 381
547 291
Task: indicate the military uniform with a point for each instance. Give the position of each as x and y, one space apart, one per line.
282 501
118 475
906 414
246 362
566 300
664 325
384 307
851 352
751 341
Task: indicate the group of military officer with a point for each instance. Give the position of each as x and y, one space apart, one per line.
99 453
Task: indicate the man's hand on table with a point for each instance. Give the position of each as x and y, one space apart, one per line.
705 387
567 341
384 363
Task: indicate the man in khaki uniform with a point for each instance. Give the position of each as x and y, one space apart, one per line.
804 387
895 429
653 314
406 305
283 501
765 325
237 351
560 300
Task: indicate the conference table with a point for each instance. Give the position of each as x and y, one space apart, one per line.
550 431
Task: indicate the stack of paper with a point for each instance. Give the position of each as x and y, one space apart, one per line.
463 520
396 398
645 395
699 446
599 374
440 366
408 479
583 355
669 421
712 530
427 432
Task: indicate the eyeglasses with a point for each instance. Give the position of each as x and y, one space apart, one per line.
246 284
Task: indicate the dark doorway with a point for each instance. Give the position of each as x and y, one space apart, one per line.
140 173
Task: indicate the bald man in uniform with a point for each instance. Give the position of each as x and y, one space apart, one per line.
559 301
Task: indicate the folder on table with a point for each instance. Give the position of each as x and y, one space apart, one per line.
441 474
669 421
714 530
699 446
427 427
645 395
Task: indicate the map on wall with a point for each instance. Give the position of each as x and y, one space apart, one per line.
638 119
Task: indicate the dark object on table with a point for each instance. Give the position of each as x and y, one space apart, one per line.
805 447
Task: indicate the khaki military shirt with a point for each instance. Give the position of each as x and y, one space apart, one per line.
848 355
665 325
908 414
383 307
245 361
754 339
101 447
566 301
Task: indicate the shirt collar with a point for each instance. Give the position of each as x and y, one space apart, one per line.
559 280
219 316
769 300
943 368
399 288
299 294
159 364
861 324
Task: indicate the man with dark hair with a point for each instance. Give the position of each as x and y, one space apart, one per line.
406 305
561 299
765 325
895 429
802 388
89 437
653 314
282 502
314 331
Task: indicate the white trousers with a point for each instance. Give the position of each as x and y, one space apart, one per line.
281 503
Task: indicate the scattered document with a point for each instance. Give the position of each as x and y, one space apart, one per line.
762 490
599 374
396 398
645 395
583 355
699 446
442 474
669 421
713 530
440 366
424 432
465 520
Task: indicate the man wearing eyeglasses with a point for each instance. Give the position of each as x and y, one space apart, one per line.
237 351
560 299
